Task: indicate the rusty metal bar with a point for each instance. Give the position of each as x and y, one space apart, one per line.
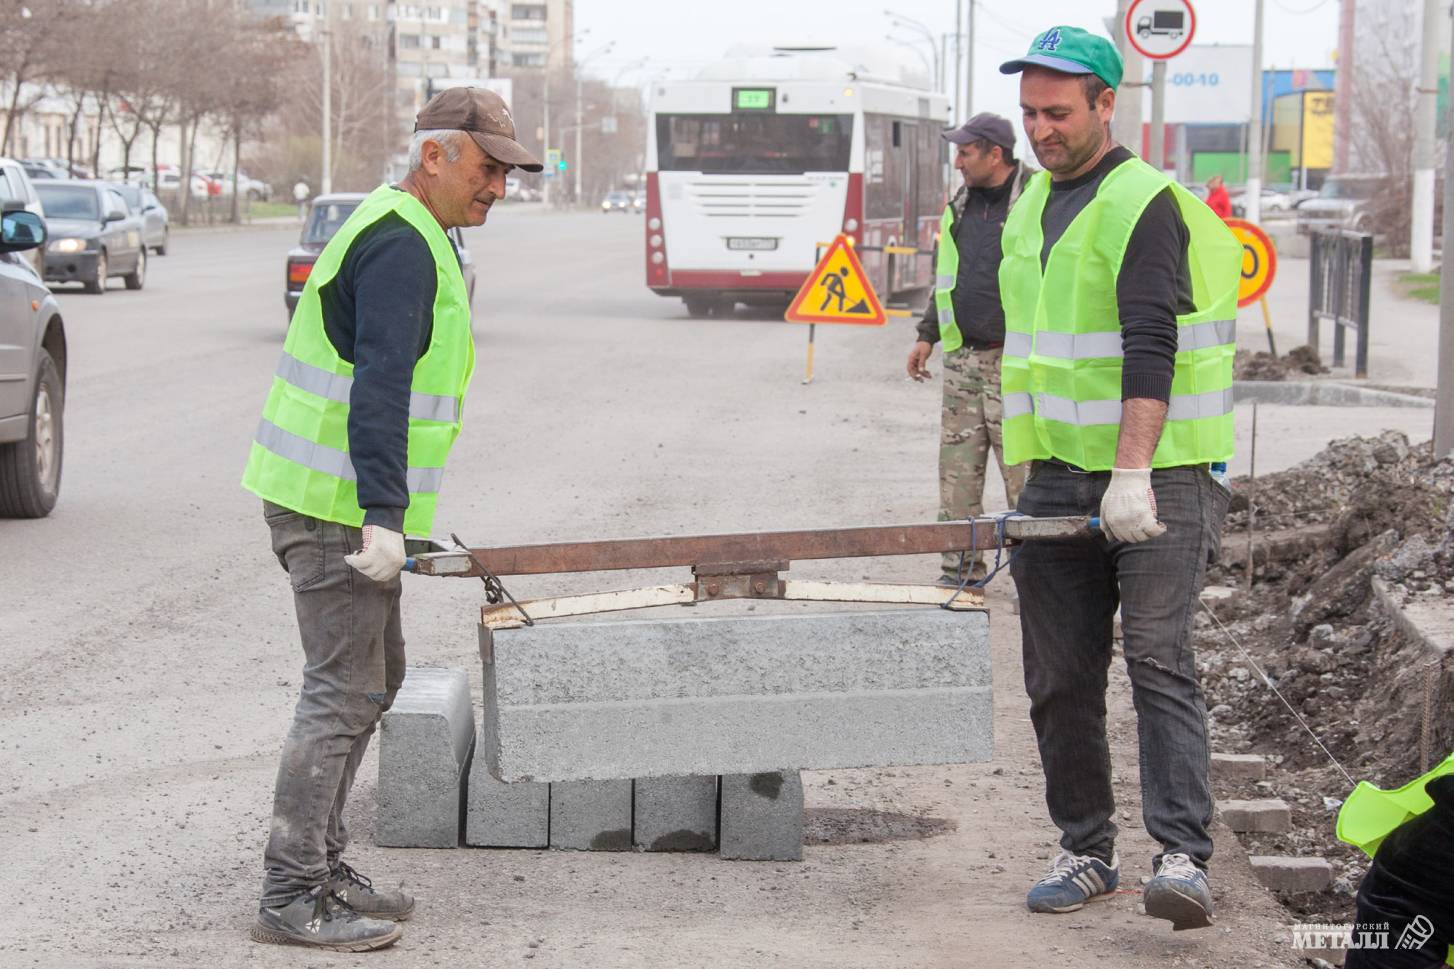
756 547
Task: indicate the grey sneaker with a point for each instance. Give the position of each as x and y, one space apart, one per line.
319 919
1179 893
359 894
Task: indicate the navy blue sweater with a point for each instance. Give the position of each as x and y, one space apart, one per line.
378 313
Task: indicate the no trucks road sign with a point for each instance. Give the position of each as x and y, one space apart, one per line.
1160 29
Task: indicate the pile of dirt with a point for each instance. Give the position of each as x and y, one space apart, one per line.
1364 508
1300 361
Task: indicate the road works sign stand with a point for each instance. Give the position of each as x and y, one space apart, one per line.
738 566
1259 268
836 291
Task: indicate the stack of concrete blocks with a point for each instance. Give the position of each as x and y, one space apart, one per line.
674 735
425 745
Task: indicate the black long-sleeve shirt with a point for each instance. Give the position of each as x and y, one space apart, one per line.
1153 286
378 313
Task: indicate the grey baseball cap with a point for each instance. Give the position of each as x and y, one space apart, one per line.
987 126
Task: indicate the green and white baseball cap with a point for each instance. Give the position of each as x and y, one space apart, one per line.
1071 50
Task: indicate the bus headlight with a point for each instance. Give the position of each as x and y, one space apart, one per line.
850 226
654 224
655 242
657 259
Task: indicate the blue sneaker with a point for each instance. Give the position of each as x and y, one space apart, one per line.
1072 881
1179 893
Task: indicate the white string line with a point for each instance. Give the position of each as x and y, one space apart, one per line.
1267 680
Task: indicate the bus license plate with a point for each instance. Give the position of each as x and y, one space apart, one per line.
751 244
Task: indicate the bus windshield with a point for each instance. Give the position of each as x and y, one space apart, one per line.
753 144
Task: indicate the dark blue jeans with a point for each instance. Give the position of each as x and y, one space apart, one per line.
1069 591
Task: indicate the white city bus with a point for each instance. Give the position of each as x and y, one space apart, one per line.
768 153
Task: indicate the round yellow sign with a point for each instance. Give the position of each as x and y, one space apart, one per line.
1259 261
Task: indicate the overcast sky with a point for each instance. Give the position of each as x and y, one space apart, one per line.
678 36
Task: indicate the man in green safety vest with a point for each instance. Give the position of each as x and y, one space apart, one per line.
349 455
1120 297
964 313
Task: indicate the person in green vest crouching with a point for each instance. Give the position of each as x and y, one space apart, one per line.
1120 297
349 456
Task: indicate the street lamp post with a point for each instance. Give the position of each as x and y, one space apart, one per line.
578 67
900 20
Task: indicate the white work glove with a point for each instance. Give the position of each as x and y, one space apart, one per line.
382 555
1128 508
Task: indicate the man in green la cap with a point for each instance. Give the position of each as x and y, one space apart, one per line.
1120 297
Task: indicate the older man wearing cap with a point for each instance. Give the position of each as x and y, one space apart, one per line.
363 409
964 312
1120 296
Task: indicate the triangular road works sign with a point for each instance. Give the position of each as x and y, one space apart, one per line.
837 291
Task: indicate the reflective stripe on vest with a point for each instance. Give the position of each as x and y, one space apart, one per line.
1094 346
320 457
1182 407
336 387
1061 368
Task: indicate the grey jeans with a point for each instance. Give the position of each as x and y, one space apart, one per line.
1069 591
353 665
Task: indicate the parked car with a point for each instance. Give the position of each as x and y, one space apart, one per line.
37 169
62 168
250 187
1272 201
170 180
1345 202
32 346
16 186
616 202
326 215
93 235
156 228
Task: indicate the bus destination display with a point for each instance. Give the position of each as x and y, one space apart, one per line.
753 98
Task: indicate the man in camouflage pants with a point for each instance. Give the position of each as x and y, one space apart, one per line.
974 327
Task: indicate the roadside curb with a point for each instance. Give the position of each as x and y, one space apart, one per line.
273 223
1322 393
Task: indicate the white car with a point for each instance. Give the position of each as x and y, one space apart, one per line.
250 187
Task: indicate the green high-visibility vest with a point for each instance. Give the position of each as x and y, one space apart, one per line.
1370 814
946 275
299 456
1061 369
946 267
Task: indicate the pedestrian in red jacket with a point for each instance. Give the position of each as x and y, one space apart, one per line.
1217 197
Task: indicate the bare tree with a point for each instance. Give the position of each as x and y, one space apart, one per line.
28 44
255 65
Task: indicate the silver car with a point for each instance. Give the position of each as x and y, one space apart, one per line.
1345 202
156 227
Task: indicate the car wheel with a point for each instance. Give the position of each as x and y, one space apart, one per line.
97 283
166 240
137 277
699 307
30 470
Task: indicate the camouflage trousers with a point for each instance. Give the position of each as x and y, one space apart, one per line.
972 418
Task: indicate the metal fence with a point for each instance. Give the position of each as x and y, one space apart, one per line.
1342 277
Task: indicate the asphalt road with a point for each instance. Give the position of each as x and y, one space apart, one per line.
150 662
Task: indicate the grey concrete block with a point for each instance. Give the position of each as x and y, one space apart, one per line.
739 695
1286 874
425 742
675 814
500 815
1267 816
762 816
1234 768
591 815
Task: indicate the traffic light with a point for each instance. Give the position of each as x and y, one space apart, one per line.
560 165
